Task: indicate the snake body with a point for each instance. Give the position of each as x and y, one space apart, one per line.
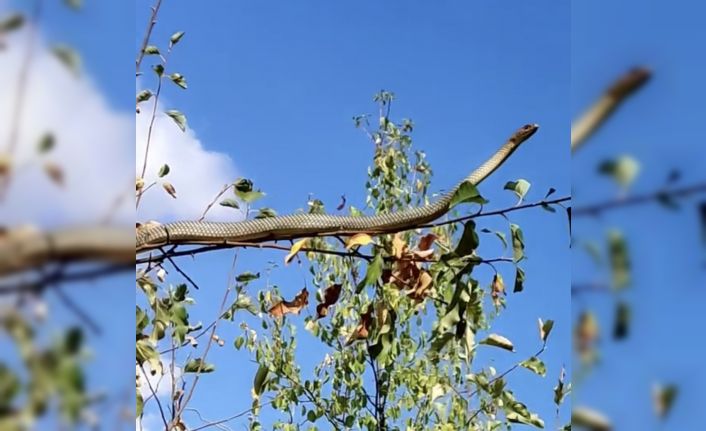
306 225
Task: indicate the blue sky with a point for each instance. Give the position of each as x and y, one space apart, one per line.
275 85
98 32
660 127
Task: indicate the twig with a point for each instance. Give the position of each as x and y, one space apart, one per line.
20 96
78 310
184 274
598 208
154 395
178 414
589 287
208 207
228 419
148 33
53 279
498 212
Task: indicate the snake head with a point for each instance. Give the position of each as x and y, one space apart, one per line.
524 132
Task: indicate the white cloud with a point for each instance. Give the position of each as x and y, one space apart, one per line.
95 151
197 174
92 142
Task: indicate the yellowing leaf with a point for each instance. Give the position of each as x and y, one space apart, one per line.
169 188
399 246
55 173
358 239
295 306
295 249
545 328
497 289
499 341
590 419
427 241
331 295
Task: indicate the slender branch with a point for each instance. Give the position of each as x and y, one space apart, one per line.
83 315
20 95
208 347
184 274
148 34
55 279
228 419
208 207
154 395
503 212
600 207
597 113
589 287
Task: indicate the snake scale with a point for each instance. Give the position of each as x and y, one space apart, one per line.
304 225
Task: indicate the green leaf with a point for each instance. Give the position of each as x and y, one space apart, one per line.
519 280
175 38
518 242
74 4
469 241
496 340
467 192
266 213
500 235
151 50
619 259
535 365
10 386
259 380
158 69
247 277
178 79
702 217
163 171
73 341
178 118
561 390
139 403
68 57
590 419
440 341
251 196
243 185
143 96
231 203
664 397
548 208
372 274
141 320
545 328
46 143
238 343
11 22
194 365
532 419
622 321
624 170
519 187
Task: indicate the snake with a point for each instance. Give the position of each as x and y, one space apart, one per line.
287 227
612 98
